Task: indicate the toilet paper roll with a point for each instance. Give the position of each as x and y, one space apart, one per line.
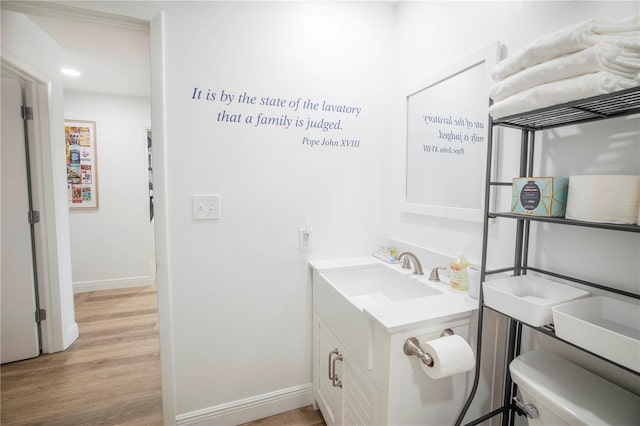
604 198
451 355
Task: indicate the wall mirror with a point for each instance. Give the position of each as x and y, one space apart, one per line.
446 147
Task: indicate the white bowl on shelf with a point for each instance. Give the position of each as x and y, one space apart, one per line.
603 325
528 298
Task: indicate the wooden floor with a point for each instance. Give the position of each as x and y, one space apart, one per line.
306 416
109 376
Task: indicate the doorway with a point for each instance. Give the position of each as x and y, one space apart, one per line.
34 54
145 275
111 239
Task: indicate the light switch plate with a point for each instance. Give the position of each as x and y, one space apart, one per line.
205 206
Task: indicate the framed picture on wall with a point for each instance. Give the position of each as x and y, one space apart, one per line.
82 164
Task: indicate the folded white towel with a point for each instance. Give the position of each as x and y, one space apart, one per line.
557 92
629 40
601 57
569 40
630 23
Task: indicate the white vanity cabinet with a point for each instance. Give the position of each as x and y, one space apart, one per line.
361 375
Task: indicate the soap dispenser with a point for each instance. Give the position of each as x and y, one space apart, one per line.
458 273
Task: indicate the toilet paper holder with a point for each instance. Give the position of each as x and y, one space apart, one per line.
412 347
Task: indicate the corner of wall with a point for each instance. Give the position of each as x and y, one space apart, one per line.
70 335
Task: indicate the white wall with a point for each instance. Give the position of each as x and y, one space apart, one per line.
240 288
434 34
113 246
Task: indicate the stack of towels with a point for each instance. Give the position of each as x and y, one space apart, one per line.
577 62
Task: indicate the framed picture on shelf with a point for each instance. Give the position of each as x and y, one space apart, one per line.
82 164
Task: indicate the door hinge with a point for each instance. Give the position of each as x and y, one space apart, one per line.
41 315
26 112
34 217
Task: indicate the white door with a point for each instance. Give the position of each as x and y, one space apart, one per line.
19 332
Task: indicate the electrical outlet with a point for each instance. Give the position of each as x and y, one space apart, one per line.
304 239
205 206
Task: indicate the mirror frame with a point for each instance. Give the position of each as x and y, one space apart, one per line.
489 56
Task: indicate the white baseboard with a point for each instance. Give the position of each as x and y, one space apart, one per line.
249 409
113 284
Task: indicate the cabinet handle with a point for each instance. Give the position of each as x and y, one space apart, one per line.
335 381
331 354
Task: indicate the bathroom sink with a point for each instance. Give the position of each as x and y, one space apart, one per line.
375 285
355 296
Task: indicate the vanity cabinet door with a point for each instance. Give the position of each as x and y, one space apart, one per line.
360 399
329 394
345 394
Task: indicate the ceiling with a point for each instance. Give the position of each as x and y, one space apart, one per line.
110 52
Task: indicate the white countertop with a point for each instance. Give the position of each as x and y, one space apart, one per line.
409 314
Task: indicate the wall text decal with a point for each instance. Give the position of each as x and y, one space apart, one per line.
302 113
458 131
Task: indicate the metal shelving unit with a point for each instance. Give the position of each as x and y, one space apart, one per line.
618 104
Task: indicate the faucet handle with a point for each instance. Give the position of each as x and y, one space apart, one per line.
405 259
435 275
405 262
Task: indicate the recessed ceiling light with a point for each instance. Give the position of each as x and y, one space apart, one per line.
71 72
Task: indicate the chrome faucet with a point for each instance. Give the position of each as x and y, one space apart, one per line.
410 258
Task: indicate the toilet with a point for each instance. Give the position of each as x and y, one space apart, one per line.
565 394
